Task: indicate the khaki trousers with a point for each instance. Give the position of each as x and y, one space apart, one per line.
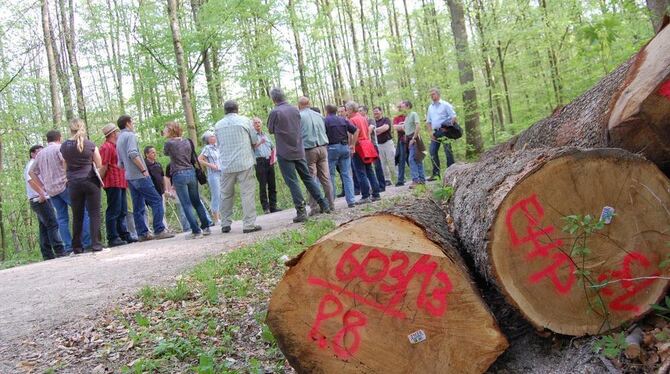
247 182
317 162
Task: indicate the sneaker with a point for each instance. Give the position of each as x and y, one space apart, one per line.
144 238
301 215
388 183
351 205
206 231
164 235
225 229
274 210
253 228
433 178
116 242
194 235
96 249
313 212
413 185
266 211
363 201
375 198
400 184
129 239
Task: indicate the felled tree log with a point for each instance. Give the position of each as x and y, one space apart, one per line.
510 212
629 109
384 293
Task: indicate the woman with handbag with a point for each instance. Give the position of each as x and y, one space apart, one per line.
83 160
184 179
416 147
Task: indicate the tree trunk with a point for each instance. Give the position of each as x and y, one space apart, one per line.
3 233
56 113
409 31
343 300
658 9
466 78
503 75
348 9
67 23
512 215
629 109
181 69
298 46
209 74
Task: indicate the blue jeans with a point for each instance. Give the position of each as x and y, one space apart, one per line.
401 152
416 167
290 170
51 244
434 151
61 202
187 190
366 178
142 191
214 181
115 214
340 157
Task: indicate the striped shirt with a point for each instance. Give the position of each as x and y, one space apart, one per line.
50 169
236 140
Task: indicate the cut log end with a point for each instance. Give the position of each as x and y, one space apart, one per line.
376 295
570 281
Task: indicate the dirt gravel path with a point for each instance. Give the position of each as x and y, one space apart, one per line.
39 296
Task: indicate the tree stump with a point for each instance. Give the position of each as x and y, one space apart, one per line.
518 216
629 108
384 293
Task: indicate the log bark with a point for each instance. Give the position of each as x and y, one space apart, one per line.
338 306
509 212
629 109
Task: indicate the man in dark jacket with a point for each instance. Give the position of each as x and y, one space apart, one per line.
284 123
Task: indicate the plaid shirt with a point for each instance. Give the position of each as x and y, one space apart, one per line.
49 167
236 140
115 177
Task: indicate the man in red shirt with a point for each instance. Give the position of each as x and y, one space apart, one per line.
401 151
366 175
115 185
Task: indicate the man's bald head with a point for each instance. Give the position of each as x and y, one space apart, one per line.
303 102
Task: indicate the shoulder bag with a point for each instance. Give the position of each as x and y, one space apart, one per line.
200 174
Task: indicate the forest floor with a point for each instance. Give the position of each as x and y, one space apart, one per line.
43 302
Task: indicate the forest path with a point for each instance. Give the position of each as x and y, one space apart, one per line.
40 296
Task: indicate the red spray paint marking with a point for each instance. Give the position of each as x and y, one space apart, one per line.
392 277
532 221
665 89
532 212
627 288
352 320
433 302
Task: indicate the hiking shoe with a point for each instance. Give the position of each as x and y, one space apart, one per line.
363 201
340 194
206 231
325 208
274 210
164 235
433 178
96 249
129 240
313 212
266 211
225 229
194 235
375 198
116 242
388 183
400 184
253 228
351 205
144 238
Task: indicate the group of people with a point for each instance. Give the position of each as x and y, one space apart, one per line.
309 148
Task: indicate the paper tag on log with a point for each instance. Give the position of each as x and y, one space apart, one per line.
607 215
417 337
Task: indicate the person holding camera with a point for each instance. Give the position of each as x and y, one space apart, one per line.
440 117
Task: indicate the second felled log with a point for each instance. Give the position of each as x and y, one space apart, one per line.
386 293
522 217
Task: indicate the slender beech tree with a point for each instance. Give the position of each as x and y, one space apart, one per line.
181 69
67 25
466 77
56 113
